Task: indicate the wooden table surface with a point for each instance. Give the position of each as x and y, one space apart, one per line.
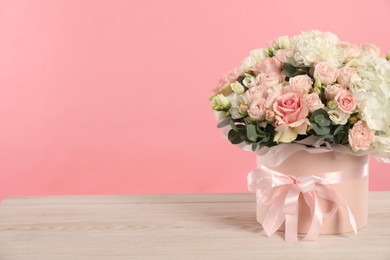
182 226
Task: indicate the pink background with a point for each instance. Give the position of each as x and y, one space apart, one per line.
112 96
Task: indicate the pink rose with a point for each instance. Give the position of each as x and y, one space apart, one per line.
268 80
345 101
301 83
371 49
313 101
325 72
345 74
291 117
349 51
332 90
257 109
256 92
227 79
360 136
282 54
269 65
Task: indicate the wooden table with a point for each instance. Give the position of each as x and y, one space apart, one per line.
202 226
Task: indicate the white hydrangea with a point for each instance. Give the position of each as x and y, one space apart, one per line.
253 59
371 87
314 46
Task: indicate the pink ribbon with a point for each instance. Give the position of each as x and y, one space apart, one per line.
281 193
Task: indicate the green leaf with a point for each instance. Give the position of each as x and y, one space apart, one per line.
251 132
324 122
289 70
338 129
291 61
224 122
242 133
233 126
255 146
319 118
321 130
234 137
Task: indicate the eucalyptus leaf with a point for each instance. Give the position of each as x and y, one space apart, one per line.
291 61
255 146
224 122
234 137
233 126
251 132
289 70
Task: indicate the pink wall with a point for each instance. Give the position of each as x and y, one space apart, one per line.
112 96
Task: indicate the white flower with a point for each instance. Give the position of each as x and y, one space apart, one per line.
382 143
237 102
249 81
220 103
315 46
254 58
237 87
338 117
371 88
282 42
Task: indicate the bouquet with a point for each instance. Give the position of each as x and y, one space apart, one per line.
310 86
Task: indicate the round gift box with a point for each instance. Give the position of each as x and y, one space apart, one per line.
354 192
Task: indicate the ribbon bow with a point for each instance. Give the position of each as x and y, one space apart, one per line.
281 193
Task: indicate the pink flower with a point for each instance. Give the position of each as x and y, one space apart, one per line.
282 54
332 90
301 83
227 79
371 49
256 92
269 80
360 136
269 65
291 112
257 110
345 101
313 101
345 74
325 72
349 51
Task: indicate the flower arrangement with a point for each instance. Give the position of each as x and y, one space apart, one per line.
309 85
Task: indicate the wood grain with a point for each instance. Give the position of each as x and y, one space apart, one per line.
181 226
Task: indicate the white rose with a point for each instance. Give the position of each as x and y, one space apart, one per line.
237 87
249 81
338 117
